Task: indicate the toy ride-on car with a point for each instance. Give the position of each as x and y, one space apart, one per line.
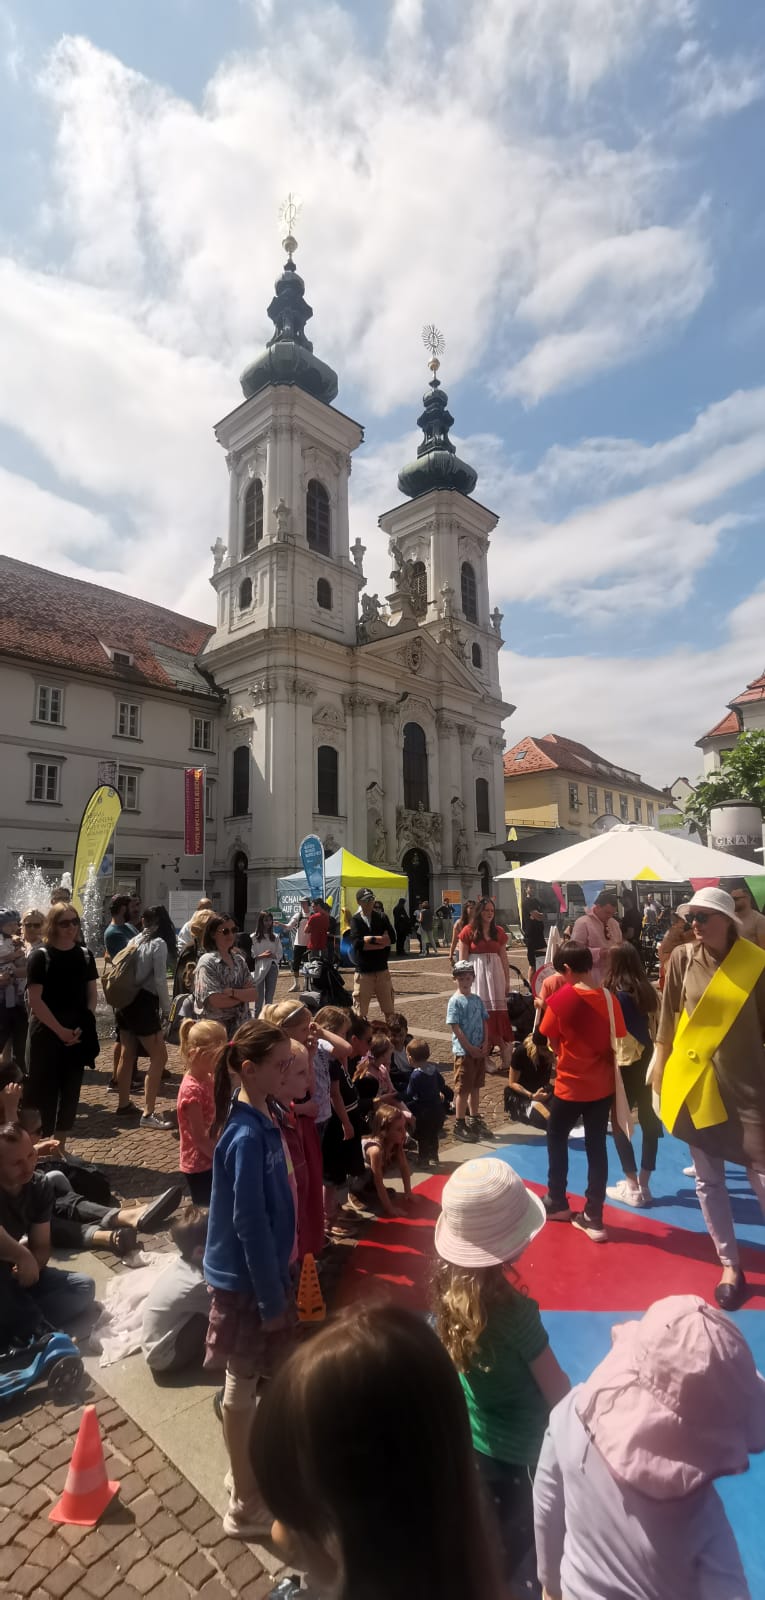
48 1357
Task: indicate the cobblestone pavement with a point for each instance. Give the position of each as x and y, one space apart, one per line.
157 1539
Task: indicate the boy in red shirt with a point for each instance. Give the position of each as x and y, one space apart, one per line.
578 1026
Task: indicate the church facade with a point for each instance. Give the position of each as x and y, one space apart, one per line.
376 724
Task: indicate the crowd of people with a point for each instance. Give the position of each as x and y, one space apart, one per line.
291 1121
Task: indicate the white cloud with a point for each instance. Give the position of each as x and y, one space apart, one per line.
708 87
643 713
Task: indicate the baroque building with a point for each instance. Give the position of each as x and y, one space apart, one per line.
376 724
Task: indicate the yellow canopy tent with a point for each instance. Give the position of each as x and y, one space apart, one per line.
344 873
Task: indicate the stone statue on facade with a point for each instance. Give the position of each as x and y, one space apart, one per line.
358 552
218 552
380 843
283 520
370 608
461 848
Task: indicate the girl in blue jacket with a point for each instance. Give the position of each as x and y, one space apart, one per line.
250 1237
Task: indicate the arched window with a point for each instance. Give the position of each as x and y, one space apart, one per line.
482 818
415 767
245 594
419 588
317 517
253 516
324 594
469 593
327 784
240 785
475 656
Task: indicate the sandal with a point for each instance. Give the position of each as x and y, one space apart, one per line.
123 1240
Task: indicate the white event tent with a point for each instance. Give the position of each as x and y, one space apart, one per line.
629 853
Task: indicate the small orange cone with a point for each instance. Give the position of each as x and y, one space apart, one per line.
310 1300
87 1490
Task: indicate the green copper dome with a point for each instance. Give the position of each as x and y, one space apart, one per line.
288 356
437 466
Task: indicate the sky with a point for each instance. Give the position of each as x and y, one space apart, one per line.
570 189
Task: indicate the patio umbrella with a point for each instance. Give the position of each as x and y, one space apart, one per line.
629 853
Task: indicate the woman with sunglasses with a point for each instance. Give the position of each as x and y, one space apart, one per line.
708 1067
31 930
61 990
223 985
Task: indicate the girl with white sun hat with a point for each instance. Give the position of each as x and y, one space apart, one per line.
495 1337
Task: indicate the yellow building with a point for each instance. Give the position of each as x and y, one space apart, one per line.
553 782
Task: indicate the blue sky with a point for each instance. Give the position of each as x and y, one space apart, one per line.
571 189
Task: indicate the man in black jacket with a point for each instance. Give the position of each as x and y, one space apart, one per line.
370 939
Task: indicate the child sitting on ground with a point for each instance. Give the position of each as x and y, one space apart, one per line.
528 1090
384 1147
426 1098
201 1044
624 1496
495 1337
468 1019
175 1314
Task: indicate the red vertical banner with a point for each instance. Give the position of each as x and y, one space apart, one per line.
194 843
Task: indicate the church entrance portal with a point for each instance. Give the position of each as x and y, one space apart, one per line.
417 868
240 888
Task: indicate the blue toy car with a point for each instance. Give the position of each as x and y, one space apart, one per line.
52 1357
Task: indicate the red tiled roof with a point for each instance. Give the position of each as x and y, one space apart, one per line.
554 752
63 622
753 691
728 724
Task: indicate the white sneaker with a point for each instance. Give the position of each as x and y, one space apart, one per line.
247 1520
155 1119
689 1172
625 1194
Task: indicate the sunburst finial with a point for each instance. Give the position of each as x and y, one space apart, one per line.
435 342
289 211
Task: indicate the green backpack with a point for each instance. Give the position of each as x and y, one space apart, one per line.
120 981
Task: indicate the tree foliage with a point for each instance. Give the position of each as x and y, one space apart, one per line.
741 777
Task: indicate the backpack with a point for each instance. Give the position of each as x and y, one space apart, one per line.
119 980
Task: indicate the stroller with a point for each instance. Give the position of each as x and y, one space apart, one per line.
520 1004
325 984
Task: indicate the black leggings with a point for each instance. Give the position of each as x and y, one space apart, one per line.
639 1098
200 1186
509 1488
564 1114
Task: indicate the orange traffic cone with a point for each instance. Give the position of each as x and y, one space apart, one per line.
310 1300
87 1490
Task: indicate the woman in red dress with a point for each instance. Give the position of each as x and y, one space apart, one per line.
484 945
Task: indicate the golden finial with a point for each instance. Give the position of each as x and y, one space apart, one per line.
435 342
289 212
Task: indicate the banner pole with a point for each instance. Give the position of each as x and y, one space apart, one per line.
204 832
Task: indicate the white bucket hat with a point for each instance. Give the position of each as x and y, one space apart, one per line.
488 1216
714 900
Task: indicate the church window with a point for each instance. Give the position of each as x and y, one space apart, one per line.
324 594
482 818
327 782
419 588
253 516
475 656
245 594
240 786
415 767
317 517
469 593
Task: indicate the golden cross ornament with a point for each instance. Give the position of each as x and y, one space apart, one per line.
435 342
289 212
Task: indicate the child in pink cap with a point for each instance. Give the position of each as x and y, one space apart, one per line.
624 1501
495 1337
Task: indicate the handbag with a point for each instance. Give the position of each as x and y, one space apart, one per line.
622 1114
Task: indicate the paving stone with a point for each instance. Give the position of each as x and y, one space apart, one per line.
196 1517
125 1434
37 1530
130 1487
35 1499
146 1506
214 1590
243 1569
160 1527
177 1549
59 1455
152 1461
49 1435
8 1469
146 1574
134 1449
11 1558
27 1578
196 1570
211 1534
26 1452
63 1577
179 1498
171 1588
35 1473
101 1580
164 1480
49 1554
9 1527
102 1541
259 1589
12 1434
227 1551
10 1493
74 1536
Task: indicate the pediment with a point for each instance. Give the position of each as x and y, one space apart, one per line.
419 655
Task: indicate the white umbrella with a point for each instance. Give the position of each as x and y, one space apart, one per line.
629 852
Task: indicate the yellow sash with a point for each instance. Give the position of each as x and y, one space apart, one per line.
689 1077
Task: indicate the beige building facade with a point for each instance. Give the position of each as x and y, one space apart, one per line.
553 782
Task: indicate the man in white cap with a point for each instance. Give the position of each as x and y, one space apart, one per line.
708 1067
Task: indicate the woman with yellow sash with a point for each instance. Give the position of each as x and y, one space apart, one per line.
709 1067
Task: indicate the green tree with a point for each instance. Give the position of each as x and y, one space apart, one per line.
741 777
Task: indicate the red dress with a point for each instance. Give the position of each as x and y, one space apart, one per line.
490 982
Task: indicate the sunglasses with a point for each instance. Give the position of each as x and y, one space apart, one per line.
701 917
67 922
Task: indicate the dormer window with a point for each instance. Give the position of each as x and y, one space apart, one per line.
120 658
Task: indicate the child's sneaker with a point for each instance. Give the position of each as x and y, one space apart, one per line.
627 1194
480 1128
594 1230
464 1132
556 1213
155 1119
247 1519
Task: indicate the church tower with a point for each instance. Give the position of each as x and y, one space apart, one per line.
440 538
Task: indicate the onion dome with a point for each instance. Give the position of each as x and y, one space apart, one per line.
437 466
288 356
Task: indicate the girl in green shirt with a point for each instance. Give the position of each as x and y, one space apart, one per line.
495 1336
